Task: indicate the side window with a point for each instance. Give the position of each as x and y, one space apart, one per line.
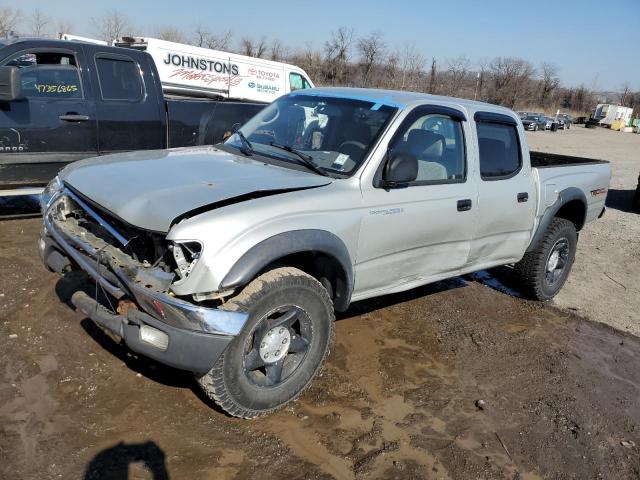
51 82
119 79
437 141
47 74
298 82
499 150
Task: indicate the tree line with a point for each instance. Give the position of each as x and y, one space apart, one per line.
346 59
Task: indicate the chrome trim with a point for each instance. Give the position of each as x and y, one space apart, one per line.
162 306
103 223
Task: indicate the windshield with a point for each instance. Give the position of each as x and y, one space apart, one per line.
531 117
334 133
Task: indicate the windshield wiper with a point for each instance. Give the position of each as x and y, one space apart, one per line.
307 160
247 148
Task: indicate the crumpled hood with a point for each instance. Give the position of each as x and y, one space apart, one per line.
149 189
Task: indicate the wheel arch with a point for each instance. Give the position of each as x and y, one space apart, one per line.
570 205
318 253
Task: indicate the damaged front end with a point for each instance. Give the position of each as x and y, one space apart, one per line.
136 268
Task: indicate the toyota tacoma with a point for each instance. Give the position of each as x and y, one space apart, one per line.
229 260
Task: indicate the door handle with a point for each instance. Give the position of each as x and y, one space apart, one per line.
523 197
73 117
464 205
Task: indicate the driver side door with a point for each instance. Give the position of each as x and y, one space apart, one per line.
54 121
422 231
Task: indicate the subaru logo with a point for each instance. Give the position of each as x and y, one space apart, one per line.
251 84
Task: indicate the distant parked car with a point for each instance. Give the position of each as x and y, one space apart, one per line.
550 124
534 122
592 123
564 121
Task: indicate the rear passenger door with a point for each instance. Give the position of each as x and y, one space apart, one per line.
54 121
130 114
506 201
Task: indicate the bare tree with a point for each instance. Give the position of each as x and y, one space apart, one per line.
481 79
171 34
411 64
111 25
511 80
371 51
625 95
9 20
310 60
391 70
38 22
203 37
253 48
549 82
276 50
337 54
433 77
458 71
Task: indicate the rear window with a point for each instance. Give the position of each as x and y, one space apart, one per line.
119 79
499 150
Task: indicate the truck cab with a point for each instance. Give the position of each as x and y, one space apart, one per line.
74 100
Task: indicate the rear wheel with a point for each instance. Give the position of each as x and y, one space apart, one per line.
545 269
281 348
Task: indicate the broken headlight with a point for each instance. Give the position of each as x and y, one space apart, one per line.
53 187
185 256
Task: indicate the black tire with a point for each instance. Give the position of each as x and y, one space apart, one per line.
535 128
635 205
241 382
540 283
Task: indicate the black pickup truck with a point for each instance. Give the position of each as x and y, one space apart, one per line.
62 101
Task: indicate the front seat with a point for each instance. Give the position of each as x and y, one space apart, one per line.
428 147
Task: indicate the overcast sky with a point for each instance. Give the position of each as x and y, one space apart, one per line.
594 42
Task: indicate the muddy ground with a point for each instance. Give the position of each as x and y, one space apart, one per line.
397 398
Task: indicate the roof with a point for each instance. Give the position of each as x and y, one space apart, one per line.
404 99
48 41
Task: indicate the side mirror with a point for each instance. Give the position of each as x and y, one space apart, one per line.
400 169
10 84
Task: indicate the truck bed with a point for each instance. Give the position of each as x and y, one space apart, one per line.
556 173
545 160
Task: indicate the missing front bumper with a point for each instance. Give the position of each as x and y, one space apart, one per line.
195 335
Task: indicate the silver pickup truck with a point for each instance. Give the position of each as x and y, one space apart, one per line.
229 260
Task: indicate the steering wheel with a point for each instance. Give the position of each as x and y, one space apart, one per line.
349 145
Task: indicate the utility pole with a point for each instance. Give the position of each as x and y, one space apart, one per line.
475 95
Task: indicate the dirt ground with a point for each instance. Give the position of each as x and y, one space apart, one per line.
451 381
604 284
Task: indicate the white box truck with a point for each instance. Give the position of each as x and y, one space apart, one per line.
195 71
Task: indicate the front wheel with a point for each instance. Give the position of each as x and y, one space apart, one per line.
545 269
281 347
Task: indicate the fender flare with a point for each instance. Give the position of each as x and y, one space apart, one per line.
565 196
267 251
